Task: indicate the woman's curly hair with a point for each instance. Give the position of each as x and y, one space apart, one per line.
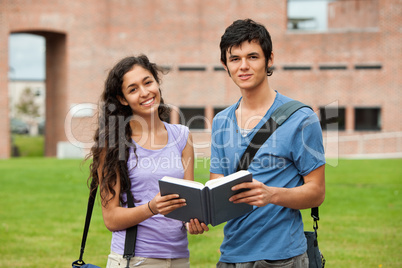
112 139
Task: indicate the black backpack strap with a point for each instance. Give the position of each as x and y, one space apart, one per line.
259 138
279 116
282 114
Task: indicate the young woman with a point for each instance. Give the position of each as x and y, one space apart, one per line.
131 131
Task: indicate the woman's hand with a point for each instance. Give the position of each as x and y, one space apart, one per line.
166 204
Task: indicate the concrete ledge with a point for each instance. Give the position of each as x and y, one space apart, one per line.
66 150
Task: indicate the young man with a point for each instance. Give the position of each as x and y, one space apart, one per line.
288 169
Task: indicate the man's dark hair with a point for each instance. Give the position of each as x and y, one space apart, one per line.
246 30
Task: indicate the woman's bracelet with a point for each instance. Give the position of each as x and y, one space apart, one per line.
150 208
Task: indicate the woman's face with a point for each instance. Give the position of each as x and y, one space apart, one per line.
141 91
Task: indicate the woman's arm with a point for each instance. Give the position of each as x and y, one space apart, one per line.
187 159
118 218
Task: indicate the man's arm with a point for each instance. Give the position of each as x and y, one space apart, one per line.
310 194
213 176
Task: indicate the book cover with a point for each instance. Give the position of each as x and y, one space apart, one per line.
208 203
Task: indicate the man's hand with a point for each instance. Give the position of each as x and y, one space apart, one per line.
310 194
258 194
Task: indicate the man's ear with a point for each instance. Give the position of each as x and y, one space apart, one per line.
271 60
226 68
122 100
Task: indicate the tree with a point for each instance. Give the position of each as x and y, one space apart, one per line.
27 109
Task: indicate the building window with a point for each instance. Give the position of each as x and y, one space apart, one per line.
307 15
193 118
353 15
368 67
218 109
332 67
166 68
219 68
367 119
192 68
332 118
296 68
328 15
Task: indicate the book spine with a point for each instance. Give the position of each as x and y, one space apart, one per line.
206 205
211 202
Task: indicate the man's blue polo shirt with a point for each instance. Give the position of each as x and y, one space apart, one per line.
294 150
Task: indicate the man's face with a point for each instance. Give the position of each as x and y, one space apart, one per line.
246 65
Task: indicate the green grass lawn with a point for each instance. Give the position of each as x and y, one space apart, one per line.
29 146
43 205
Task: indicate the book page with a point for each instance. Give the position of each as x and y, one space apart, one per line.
217 182
188 183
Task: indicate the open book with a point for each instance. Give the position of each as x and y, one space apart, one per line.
210 203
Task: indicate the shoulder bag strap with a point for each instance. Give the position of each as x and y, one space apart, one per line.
314 215
279 116
131 233
91 201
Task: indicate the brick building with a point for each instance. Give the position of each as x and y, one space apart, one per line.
350 70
